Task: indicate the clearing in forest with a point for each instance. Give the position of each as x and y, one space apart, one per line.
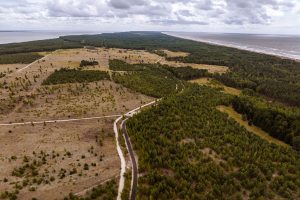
253 129
216 84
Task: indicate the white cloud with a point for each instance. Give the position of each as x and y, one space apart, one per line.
150 13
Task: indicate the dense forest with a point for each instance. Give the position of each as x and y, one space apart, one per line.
38 46
75 76
24 58
119 65
187 149
278 124
183 73
153 82
153 79
269 75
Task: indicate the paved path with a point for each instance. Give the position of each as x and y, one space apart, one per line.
134 177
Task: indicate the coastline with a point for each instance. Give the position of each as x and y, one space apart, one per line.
232 46
33 35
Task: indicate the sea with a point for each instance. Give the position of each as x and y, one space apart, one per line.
25 36
287 46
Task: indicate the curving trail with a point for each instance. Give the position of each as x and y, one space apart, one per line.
119 150
122 158
134 179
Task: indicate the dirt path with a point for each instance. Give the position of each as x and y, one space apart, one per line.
122 159
32 63
59 120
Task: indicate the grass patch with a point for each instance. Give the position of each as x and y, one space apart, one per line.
75 76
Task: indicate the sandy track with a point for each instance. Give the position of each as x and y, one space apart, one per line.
59 120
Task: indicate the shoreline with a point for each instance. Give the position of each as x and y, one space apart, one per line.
231 46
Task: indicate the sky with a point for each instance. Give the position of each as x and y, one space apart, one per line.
236 16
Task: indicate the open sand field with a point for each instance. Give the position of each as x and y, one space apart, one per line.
52 160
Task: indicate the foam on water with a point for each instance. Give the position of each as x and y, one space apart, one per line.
279 45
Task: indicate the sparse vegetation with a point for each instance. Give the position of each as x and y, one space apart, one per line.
107 191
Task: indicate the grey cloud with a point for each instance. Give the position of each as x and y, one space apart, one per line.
241 12
205 5
126 4
178 21
164 12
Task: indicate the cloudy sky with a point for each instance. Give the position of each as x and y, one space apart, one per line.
250 16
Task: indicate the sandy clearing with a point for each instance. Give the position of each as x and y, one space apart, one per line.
215 84
172 54
78 138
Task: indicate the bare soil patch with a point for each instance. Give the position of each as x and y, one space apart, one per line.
50 161
172 54
216 84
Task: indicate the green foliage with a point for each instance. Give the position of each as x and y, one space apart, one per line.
188 73
75 76
171 139
23 58
278 124
119 65
269 75
296 143
84 63
127 186
156 82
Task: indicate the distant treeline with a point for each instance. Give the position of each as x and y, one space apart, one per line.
38 46
24 58
269 75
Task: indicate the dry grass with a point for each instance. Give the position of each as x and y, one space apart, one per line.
31 101
10 68
172 54
257 131
66 146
